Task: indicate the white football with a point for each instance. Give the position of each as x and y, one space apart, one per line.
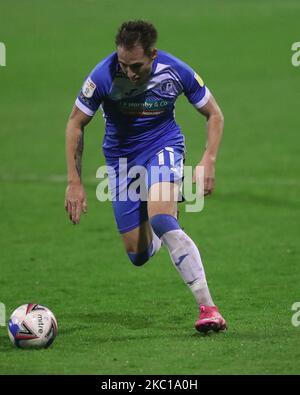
32 326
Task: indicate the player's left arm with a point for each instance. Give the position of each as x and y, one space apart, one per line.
214 125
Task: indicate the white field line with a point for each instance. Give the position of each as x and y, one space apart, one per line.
53 178
62 178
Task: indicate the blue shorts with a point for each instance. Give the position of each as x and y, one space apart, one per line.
129 182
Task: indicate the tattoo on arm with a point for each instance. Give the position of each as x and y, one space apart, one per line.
78 153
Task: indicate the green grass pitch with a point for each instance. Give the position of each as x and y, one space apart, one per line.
115 318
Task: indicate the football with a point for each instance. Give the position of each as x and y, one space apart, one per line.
32 326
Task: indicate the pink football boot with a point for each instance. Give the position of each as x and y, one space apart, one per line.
210 320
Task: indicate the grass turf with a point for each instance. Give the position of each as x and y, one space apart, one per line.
114 318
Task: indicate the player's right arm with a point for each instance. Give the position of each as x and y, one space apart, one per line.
94 90
75 198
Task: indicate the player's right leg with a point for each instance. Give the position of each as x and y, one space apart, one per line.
131 215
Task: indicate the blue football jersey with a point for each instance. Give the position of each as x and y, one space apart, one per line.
140 117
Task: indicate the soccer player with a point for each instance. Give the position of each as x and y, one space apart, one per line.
136 88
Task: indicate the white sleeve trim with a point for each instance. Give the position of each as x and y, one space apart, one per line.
83 108
204 99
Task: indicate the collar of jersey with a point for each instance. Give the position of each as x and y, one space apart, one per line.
154 64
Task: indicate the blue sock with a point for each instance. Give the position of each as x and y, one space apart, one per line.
163 223
138 259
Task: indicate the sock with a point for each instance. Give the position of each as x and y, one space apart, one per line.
156 243
184 255
138 259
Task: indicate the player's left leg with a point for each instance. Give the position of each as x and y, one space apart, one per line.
183 252
141 243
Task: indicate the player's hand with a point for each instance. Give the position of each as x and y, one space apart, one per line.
209 175
75 202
